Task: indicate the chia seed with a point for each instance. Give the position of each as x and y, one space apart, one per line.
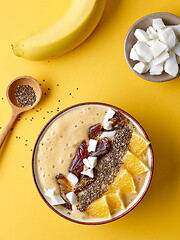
106 169
25 95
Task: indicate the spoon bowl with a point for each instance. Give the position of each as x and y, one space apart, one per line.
130 40
23 80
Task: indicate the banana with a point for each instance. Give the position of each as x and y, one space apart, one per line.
67 33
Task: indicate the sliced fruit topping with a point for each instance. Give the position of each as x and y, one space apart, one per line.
138 144
65 187
77 164
94 130
124 182
114 202
102 148
99 208
134 165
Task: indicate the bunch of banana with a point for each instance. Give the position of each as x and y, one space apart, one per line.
67 33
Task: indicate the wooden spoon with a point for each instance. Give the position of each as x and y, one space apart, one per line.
15 107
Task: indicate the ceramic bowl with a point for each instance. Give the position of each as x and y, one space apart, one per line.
141 193
130 40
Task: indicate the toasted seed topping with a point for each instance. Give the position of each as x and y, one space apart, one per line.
106 169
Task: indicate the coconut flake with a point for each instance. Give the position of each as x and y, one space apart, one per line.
167 36
92 162
72 179
71 196
171 66
176 50
88 173
141 35
49 192
144 51
141 67
57 200
108 134
158 23
92 145
156 70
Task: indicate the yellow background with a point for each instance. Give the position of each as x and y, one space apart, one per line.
99 71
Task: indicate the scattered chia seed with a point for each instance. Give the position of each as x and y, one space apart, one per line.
25 95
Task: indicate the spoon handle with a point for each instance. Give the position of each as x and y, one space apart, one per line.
7 128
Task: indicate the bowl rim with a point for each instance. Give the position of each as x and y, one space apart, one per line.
34 160
126 40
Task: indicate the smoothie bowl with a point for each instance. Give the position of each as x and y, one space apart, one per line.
92 163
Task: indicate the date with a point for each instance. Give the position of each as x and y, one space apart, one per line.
65 187
102 148
94 130
77 164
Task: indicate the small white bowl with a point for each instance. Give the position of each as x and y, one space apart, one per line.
130 40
